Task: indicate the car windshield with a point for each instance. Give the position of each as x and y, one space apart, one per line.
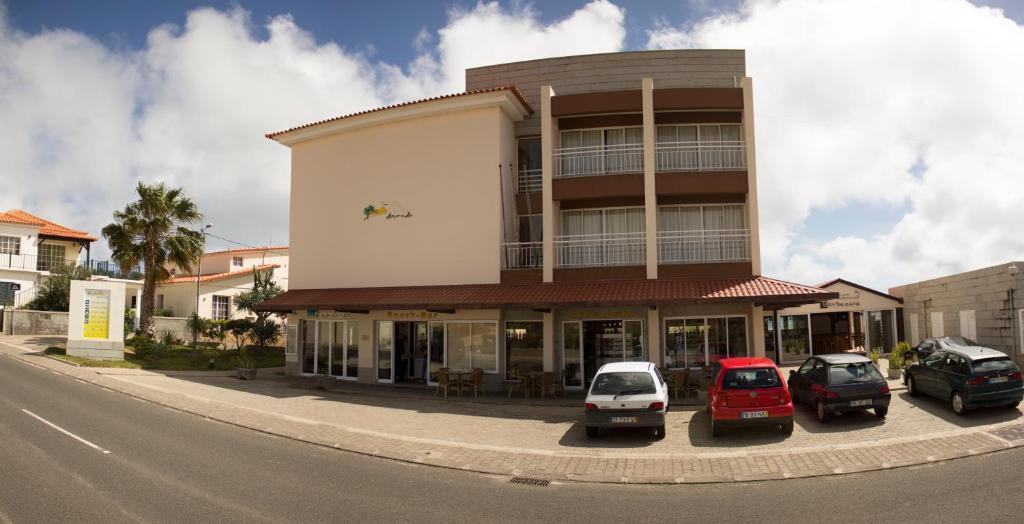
623 383
992 365
853 373
751 378
957 342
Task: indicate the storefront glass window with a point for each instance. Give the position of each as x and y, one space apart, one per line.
385 347
718 346
472 345
796 343
337 346
634 340
769 337
571 352
352 357
307 343
693 342
880 332
436 349
459 343
738 337
524 347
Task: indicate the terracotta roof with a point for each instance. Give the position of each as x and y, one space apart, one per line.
247 250
759 290
514 89
47 228
182 279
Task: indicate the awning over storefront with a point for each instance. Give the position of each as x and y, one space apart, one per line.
756 290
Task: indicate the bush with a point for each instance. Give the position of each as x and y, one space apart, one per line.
875 354
144 346
168 338
163 312
240 330
899 356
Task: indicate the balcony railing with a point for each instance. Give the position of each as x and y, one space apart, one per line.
45 263
700 156
599 160
522 255
530 180
609 249
696 247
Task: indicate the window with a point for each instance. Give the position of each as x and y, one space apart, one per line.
236 261
159 301
10 245
751 378
530 169
598 151
220 307
624 383
50 257
858 372
693 342
699 147
524 346
602 237
990 365
473 345
703 233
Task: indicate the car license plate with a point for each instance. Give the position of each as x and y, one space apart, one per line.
754 414
625 420
996 380
856 403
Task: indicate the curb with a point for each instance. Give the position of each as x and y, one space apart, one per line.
995 444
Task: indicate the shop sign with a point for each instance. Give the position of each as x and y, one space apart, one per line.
845 300
386 210
412 315
328 315
585 315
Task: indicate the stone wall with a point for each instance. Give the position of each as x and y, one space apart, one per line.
26 322
175 325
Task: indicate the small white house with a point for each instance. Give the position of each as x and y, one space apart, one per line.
30 247
223 275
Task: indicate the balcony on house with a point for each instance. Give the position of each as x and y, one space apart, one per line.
705 246
522 255
601 237
714 147
529 181
599 152
33 262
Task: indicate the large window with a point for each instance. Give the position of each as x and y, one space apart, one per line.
599 151
307 345
524 346
10 245
703 233
602 237
220 307
50 257
796 342
694 342
699 147
473 345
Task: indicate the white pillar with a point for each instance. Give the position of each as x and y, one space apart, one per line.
549 341
650 189
655 351
547 146
748 137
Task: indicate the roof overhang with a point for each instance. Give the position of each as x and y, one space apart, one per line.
507 100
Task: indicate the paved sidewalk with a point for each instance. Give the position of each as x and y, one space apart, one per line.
547 441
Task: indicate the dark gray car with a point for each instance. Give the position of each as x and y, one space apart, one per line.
931 345
839 383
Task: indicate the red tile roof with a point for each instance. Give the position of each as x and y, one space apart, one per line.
514 89
247 250
183 279
47 228
613 292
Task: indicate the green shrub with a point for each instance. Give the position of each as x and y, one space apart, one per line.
144 346
875 354
899 356
168 338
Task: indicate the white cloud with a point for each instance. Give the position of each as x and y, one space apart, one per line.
849 95
81 123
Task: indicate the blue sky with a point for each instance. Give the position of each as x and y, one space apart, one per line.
869 112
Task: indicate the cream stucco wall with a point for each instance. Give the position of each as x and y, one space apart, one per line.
442 168
850 299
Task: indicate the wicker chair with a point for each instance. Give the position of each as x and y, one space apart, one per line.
475 382
680 380
444 383
516 381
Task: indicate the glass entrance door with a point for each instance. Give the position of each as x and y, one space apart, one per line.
385 351
590 344
435 350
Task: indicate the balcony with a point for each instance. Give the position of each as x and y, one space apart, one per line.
700 156
530 181
708 246
522 255
599 160
44 263
600 250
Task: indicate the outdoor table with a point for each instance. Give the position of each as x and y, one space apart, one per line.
459 375
531 378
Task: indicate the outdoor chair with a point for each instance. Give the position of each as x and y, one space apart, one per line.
444 383
558 383
545 384
516 381
475 382
680 378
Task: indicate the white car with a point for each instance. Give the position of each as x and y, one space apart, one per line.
627 394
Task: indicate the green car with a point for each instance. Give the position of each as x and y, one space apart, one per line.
967 377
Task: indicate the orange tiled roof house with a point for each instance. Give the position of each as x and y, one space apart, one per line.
30 246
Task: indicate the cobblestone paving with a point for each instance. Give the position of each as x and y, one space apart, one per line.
545 442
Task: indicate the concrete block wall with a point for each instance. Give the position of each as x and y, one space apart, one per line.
610 72
26 322
986 291
175 325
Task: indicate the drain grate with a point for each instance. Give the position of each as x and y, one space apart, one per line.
527 481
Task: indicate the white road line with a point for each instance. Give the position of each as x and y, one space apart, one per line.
66 432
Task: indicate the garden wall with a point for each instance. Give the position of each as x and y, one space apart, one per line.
26 322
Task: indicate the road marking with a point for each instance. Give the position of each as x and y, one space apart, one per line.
66 432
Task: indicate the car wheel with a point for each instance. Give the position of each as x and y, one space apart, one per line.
787 428
659 432
959 406
716 429
911 386
591 432
823 414
881 412
1013 405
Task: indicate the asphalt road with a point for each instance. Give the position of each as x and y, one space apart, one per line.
143 462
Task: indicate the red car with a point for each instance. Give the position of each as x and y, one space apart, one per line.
748 392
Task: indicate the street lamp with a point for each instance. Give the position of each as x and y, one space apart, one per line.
199 274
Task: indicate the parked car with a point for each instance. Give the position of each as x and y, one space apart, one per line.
627 394
840 383
930 345
967 377
748 392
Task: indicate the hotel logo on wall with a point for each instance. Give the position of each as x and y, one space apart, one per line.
386 210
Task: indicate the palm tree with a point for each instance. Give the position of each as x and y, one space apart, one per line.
153 231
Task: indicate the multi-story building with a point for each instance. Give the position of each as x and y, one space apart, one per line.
222 276
559 214
981 305
30 247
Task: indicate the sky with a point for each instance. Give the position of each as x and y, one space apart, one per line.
887 131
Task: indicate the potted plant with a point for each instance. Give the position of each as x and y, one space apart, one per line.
245 367
897 360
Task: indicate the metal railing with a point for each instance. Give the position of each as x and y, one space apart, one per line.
609 249
530 181
700 156
695 247
45 263
522 255
599 160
